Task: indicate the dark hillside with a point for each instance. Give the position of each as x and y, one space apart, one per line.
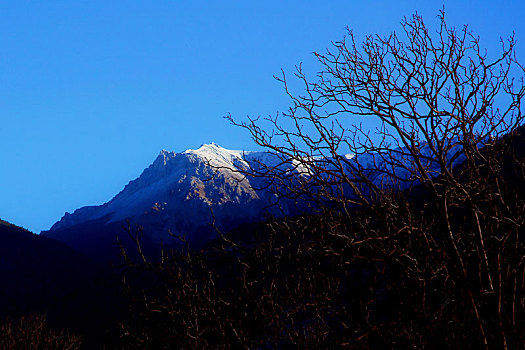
41 275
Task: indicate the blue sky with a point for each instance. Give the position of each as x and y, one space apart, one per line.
91 91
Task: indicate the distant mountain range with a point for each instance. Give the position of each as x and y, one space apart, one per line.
184 193
181 193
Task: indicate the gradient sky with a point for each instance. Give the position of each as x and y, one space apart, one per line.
91 91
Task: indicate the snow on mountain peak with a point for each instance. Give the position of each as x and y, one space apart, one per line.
219 156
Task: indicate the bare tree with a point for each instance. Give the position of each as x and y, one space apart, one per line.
446 114
434 97
416 240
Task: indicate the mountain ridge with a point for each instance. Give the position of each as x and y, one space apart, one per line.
167 168
182 194
178 193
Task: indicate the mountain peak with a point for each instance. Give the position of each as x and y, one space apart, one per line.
216 155
211 145
176 193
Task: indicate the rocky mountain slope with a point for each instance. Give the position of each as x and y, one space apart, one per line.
184 193
181 193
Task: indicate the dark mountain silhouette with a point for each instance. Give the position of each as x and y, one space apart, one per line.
36 271
41 275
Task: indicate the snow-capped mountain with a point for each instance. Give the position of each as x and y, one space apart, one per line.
181 193
184 193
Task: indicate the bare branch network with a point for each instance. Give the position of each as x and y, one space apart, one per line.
435 98
414 238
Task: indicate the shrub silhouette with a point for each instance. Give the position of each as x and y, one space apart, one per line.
32 332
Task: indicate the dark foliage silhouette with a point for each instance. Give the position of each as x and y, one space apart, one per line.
32 332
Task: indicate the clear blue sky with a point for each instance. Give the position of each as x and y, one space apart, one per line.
91 91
